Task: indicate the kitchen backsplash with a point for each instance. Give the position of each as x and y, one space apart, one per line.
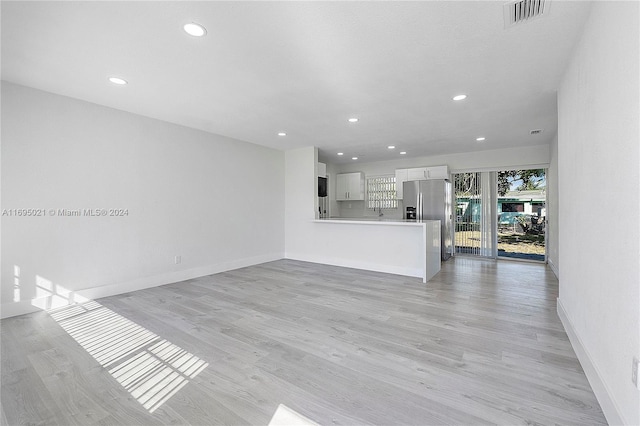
357 209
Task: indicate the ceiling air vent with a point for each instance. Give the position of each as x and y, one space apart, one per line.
523 10
535 132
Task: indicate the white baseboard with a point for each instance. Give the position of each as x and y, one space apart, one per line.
600 389
28 306
554 268
356 264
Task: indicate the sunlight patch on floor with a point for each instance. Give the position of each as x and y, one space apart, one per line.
285 416
149 367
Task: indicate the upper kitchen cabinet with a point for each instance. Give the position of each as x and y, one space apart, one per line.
322 170
350 186
438 172
425 173
419 173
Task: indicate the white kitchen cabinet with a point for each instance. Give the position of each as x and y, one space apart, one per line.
425 173
417 173
322 170
438 172
342 185
350 186
401 177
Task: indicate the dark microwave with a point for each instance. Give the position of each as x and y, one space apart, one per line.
322 187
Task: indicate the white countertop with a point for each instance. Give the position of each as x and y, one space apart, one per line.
373 221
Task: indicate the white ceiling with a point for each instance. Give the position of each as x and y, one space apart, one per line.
306 67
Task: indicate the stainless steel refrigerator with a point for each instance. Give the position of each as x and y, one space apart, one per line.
431 200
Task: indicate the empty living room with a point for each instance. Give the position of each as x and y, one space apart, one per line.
320 213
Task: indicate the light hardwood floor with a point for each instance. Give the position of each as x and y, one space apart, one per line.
479 344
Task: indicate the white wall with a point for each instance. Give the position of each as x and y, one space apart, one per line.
599 185
215 201
553 203
510 158
301 190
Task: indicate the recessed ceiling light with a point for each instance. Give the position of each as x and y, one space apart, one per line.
354 158
353 120
118 81
341 153
480 139
195 30
459 97
391 147
403 152
282 134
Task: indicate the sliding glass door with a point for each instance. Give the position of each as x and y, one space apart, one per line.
522 214
500 214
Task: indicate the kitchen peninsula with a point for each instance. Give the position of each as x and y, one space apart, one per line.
400 247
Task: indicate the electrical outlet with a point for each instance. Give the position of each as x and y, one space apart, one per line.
177 259
634 372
